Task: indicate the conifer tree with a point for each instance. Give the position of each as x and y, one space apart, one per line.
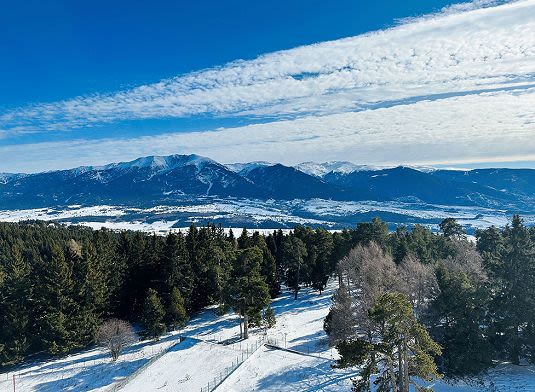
293 253
269 317
14 309
515 301
400 352
177 267
54 305
176 312
153 316
246 290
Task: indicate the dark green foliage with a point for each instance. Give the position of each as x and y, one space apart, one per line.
58 283
294 253
269 317
176 312
153 315
246 290
458 317
399 350
510 259
451 228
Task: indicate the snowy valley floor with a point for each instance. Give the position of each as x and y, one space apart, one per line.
301 363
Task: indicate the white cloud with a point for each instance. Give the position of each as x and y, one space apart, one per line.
497 126
457 87
450 53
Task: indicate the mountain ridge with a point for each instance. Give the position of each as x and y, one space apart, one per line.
160 179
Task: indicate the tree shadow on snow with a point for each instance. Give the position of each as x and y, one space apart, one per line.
93 377
305 378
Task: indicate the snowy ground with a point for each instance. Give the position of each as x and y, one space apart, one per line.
301 363
90 370
263 214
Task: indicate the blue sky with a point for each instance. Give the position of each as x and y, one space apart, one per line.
92 82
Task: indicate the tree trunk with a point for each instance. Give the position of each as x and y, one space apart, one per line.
404 371
406 380
515 352
245 326
392 374
401 368
241 330
297 280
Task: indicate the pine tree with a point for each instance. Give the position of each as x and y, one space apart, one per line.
269 317
14 309
244 240
177 268
176 312
54 305
515 300
293 254
246 290
153 316
457 317
400 352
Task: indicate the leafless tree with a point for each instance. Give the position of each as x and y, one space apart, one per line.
466 259
365 273
115 335
418 281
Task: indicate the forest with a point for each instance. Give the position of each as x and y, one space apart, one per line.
465 304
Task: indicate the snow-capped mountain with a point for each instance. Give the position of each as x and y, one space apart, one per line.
169 179
321 169
244 168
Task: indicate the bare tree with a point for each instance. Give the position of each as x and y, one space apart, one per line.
365 273
418 281
115 335
466 259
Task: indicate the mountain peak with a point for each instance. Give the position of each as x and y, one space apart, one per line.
159 163
343 167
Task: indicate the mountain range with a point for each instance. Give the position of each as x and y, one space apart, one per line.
162 179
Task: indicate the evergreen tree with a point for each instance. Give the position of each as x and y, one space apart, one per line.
176 312
458 318
153 316
244 240
515 301
246 290
320 270
269 317
54 305
14 309
400 352
293 254
177 268
451 228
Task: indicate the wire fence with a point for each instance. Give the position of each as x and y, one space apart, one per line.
140 369
65 374
250 349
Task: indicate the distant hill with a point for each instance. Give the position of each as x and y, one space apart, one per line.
160 179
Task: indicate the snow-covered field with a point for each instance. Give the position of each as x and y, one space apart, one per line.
263 214
302 361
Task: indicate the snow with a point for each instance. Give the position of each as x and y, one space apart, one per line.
343 167
90 370
244 168
186 367
320 169
269 214
297 358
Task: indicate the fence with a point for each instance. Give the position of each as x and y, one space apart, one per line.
223 375
153 359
